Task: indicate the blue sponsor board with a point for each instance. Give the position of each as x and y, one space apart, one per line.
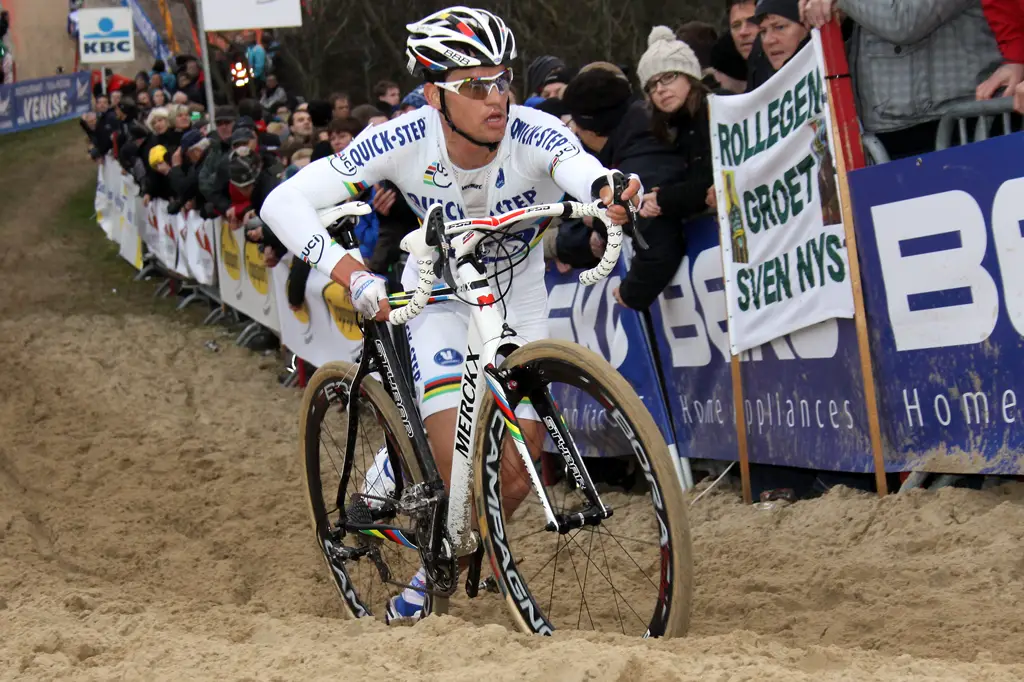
589 316
44 101
940 239
803 397
147 30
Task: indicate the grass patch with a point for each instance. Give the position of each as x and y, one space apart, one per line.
105 282
46 142
49 189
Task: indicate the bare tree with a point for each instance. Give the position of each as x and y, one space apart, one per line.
352 45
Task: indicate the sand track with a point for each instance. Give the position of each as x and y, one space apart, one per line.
153 525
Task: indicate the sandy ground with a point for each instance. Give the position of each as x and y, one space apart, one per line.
41 44
39 35
153 525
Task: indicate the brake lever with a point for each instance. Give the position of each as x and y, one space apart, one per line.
434 225
618 187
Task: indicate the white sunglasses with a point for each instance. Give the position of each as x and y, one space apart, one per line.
479 88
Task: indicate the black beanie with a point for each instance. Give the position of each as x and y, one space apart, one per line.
321 112
597 100
540 69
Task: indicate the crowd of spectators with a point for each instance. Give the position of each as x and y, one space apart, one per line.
910 61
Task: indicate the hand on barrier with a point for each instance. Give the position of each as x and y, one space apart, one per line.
367 290
1006 78
651 209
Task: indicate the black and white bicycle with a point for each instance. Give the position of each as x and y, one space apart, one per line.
611 556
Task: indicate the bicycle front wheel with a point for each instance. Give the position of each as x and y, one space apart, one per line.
632 572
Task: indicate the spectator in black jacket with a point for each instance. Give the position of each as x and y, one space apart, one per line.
251 183
162 136
615 127
210 179
671 76
107 124
184 175
131 139
157 184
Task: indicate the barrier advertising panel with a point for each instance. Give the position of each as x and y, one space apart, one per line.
131 241
326 327
803 397
940 239
44 101
244 280
590 316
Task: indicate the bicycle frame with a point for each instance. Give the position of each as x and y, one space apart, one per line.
489 337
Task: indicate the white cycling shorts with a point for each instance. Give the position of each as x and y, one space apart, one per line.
438 336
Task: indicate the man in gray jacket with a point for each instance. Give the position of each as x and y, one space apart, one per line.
910 61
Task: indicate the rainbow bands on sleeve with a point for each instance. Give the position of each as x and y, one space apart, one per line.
354 188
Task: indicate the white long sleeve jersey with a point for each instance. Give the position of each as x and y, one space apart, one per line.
539 161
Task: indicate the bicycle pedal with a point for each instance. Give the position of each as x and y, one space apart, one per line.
489 584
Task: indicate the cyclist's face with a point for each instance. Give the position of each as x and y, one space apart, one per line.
483 119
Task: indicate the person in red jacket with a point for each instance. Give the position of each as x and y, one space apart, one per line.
1006 18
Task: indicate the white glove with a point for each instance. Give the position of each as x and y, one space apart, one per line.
367 291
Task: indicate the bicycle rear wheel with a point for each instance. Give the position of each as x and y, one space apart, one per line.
343 484
623 582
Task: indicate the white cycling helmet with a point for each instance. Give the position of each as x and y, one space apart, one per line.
458 38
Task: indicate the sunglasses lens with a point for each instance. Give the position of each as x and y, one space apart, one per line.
480 88
475 89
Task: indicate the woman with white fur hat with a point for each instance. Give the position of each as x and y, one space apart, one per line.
671 79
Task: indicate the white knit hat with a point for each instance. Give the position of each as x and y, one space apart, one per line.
666 53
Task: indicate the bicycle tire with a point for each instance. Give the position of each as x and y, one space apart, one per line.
315 400
672 611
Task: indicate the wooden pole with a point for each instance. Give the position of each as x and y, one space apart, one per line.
741 428
737 386
850 154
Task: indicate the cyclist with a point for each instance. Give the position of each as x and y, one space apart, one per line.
476 154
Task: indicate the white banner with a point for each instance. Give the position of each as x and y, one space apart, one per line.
130 219
244 281
180 222
106 214
325 328
105 35
160 234
120 195
100 203
783 241
199 245
234 15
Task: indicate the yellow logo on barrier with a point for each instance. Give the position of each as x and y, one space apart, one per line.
255 268
344 315
302 314
229 252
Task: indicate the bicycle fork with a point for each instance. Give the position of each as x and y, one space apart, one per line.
525 384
